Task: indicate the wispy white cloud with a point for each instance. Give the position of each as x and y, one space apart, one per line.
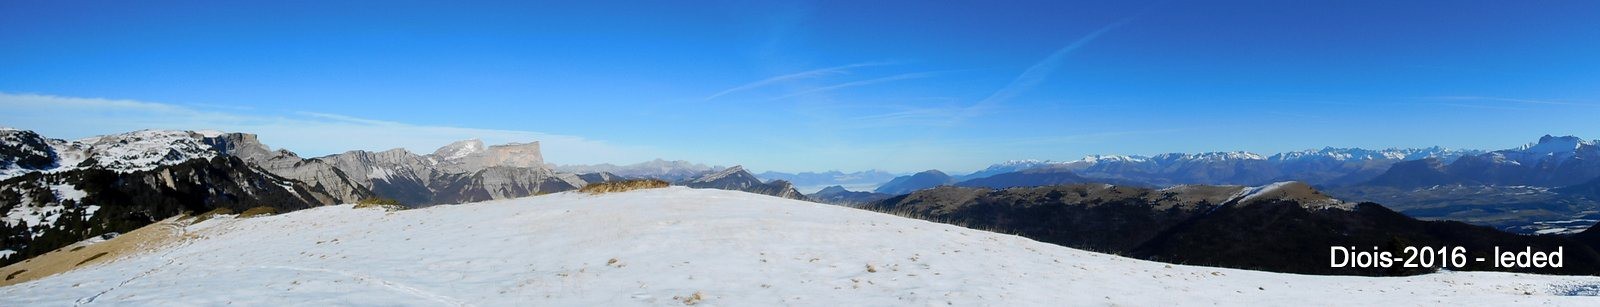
1478 106
951 115
1039 71
907 76
307 133
809 74
947 115
1516 100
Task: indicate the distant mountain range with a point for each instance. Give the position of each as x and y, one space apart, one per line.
737 179
1551 162
1280 227
1531 188
914 182
1327 166
838 195
678 170
868 178
1546 187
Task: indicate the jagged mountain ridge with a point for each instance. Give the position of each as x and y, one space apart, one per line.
736 178
461 171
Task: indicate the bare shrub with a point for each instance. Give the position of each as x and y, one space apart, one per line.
622 186
258 211
384 203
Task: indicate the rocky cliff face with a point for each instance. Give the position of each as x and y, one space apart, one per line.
472 155
318 173
461 171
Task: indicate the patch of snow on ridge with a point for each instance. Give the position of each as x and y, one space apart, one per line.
663 246
1251 193
1295 191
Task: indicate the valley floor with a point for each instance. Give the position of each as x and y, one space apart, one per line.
677 245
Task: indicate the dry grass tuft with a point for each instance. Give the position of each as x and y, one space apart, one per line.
258 211
210 214
384 203
691 299
622 186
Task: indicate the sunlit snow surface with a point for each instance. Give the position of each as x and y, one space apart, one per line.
734 248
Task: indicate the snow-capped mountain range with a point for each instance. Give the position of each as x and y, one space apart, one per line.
809 181
1316 166
1550 162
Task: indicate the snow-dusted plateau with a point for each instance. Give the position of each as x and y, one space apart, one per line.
675 246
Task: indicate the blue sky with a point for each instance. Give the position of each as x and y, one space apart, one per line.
810 86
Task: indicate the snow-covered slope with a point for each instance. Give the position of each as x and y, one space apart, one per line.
708 247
